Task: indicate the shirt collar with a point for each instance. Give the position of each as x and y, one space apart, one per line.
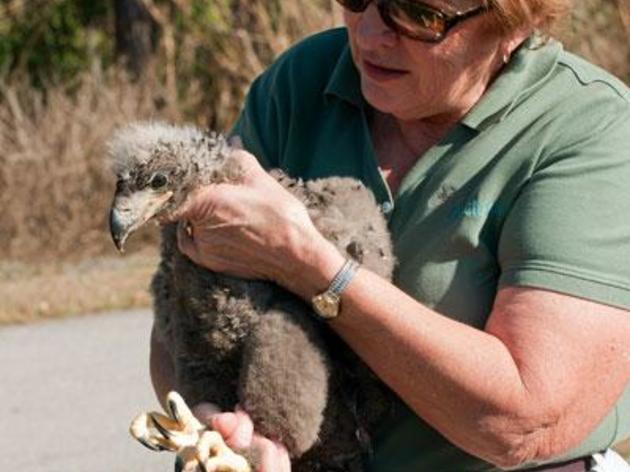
528 68
345 82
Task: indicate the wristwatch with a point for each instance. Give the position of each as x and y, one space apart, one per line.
327 304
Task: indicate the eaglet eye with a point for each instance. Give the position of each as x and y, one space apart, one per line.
158 181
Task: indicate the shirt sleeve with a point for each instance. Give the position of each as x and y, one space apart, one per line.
258 122
569 229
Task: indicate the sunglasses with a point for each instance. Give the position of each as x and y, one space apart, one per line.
414 19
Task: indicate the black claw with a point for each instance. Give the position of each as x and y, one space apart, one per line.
163 431
148 445
174 411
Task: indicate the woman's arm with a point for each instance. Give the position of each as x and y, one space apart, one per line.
519 391
547 369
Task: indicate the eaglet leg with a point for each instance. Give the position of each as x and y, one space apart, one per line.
285 378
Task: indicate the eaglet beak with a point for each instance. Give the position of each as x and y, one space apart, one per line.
130 212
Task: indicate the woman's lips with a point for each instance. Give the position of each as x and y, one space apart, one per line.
380 73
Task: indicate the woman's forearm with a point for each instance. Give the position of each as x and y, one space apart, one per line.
161 369
461 380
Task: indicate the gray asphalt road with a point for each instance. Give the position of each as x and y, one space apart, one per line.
68 390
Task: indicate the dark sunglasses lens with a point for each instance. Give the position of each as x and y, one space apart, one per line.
354 5
416 20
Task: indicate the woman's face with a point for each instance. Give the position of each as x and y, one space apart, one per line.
416 80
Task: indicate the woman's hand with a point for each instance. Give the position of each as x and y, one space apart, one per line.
237 430
254 229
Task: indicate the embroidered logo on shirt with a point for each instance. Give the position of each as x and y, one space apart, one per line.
443 195
445 192
471 207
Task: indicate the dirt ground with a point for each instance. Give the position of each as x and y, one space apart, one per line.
31 292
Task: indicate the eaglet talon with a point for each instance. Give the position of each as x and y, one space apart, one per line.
182 415
162 430
217 456
153 447
143 428
197 447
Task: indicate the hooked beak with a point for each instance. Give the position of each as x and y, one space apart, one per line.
130 212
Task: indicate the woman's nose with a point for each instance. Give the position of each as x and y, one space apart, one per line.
372 32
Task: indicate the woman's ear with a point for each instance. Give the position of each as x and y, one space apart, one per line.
512 41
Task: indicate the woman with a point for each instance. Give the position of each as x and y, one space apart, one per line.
502 164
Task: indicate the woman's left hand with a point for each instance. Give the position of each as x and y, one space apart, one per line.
237 429
253 229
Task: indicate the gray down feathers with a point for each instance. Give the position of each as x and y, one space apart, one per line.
252 343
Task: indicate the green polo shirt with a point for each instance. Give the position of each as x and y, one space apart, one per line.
532 188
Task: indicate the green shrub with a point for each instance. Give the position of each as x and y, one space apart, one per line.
53 40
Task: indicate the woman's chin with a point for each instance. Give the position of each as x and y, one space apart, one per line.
378 98
403 109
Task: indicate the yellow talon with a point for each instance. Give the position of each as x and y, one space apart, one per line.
181 432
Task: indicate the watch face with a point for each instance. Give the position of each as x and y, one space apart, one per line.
327 305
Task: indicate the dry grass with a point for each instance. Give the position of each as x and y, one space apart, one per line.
600 31
54 183
32 292
55 187
251 34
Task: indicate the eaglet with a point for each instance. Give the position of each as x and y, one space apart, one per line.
245 342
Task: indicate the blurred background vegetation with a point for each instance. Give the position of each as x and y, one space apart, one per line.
73 70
